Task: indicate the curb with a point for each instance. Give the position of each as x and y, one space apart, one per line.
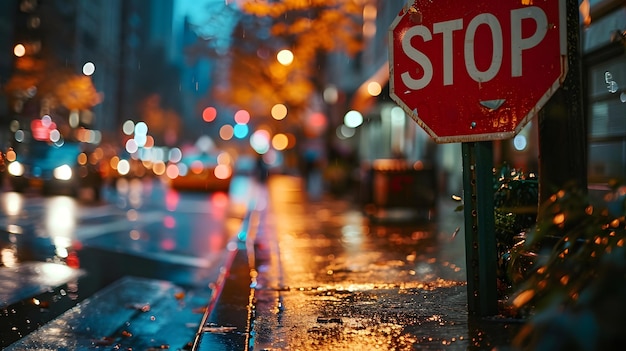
226 320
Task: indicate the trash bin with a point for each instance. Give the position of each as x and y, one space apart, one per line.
401 190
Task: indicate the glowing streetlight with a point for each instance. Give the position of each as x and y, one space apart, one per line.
19 50
89 68
374 88
285 57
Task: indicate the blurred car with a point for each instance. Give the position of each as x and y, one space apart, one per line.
54 169
202 172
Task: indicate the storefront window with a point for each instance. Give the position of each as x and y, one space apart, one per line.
605 57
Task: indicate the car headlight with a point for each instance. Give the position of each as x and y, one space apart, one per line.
63 172
16 169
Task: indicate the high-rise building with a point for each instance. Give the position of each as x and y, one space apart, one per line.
58 38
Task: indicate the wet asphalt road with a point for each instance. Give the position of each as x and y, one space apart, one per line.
141 229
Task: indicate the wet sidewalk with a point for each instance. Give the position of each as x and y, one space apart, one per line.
328 279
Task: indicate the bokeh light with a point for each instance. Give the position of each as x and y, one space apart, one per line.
159 168
280 142
279 112
331 95
285 57
374 88
131 146
128 127
140 140
209 114
224 158
123 167
242 117
260 141
141 128
345 132
353 119
171 171
240 131
226 132
223 171
205 143
196 167
19 50
89 68
175 155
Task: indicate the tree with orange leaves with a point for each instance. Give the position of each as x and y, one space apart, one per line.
248 74
36 79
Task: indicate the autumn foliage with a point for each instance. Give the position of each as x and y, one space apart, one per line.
249 75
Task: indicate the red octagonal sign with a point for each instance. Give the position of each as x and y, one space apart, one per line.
476 70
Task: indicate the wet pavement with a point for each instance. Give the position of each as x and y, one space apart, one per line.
302 273
59 255
324 277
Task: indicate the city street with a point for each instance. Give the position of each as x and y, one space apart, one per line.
311 273
203 175
57 250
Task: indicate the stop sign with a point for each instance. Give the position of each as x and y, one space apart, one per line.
476 70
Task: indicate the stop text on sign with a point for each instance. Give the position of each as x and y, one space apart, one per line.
446 29
476 70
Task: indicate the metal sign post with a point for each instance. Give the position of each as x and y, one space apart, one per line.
480 241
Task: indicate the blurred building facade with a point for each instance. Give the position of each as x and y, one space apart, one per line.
8 9
57 39
387 132
128 43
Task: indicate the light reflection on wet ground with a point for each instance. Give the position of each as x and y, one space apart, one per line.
343 283
141 229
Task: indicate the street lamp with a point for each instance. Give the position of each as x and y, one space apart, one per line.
19 50
285 57
89 68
